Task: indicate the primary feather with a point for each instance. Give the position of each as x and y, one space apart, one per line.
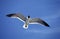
39 21
19 16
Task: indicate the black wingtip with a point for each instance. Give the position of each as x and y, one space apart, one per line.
9 15
47 25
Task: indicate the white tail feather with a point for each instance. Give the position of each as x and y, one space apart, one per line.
25 27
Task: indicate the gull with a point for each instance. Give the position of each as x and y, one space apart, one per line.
27 20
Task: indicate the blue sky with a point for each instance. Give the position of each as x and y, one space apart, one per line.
48 10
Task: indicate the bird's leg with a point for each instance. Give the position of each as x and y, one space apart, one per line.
25 26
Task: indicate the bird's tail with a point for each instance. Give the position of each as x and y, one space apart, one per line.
25 26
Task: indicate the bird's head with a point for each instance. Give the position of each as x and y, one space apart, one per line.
28 16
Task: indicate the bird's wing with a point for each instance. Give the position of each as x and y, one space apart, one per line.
39 21
19 16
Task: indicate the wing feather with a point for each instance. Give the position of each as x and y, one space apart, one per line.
19 16
39 21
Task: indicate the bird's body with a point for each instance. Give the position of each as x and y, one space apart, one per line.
28 20
26 23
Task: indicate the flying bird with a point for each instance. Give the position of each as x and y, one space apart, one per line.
27 20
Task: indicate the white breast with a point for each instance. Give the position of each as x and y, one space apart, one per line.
25 26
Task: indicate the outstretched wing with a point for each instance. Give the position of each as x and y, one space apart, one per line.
19 16
39 21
